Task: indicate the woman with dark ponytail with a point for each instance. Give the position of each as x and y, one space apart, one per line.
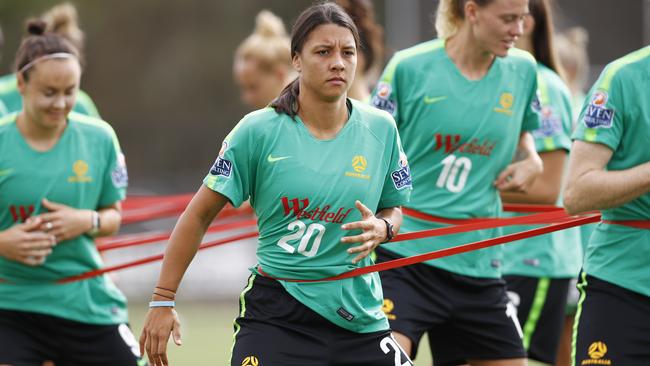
538 271
371 51
62 20
62 179
326 176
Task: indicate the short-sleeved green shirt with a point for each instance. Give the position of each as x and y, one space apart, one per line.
85 170
558 254
459 135
303 189
617 115
13 101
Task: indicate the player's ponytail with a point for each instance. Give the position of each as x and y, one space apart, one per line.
40 44
451 14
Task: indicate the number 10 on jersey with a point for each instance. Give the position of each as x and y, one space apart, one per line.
454 173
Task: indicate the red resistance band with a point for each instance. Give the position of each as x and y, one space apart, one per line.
450 251
144 208
638 224
125 241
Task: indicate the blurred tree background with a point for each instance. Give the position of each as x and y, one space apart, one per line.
161 71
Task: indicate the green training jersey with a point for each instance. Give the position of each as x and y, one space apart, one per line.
617 115
558 254
84 170
13 101
303 189
459 134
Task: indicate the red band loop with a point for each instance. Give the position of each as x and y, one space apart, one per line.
638 224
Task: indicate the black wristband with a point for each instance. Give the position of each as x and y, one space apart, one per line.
389 230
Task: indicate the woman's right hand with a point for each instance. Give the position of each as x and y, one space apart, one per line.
26 244
158 325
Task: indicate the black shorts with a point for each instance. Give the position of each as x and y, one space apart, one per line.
28 339
276 329
465 317
541 305
612 325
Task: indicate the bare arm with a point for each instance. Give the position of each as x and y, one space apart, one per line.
526 166
546 188
591 187
183 245
187 235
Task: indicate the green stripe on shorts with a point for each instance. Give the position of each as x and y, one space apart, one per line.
536 310
583 295
242 312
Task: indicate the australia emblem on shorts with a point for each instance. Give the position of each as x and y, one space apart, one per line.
382 99
222 167
596 114
402 176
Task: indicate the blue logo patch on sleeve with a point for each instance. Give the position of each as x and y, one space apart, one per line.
221 167
596 114
119 175
382 99
402 177
550 124
384 104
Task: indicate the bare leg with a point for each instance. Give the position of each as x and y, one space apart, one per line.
564 352
404 342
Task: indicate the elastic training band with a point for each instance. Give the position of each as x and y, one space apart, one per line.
639 224
450 251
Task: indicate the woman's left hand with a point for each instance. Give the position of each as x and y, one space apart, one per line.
374 233
65 222
519 176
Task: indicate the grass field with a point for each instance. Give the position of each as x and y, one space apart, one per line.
207 333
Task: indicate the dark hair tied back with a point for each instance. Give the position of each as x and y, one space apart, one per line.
38 43
36 27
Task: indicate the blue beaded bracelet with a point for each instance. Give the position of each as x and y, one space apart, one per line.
162 304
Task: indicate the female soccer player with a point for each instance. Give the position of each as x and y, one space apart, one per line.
62 20
462 103
538 271
323 173
62 176
262 66
609 170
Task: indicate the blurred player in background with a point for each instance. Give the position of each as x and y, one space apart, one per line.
262 65
62 178
609 170
463 106
538 271
370 59
62 20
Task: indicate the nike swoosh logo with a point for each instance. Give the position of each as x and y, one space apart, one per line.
5 172
271 159
431 100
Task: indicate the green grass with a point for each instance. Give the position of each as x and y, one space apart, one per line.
207 330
